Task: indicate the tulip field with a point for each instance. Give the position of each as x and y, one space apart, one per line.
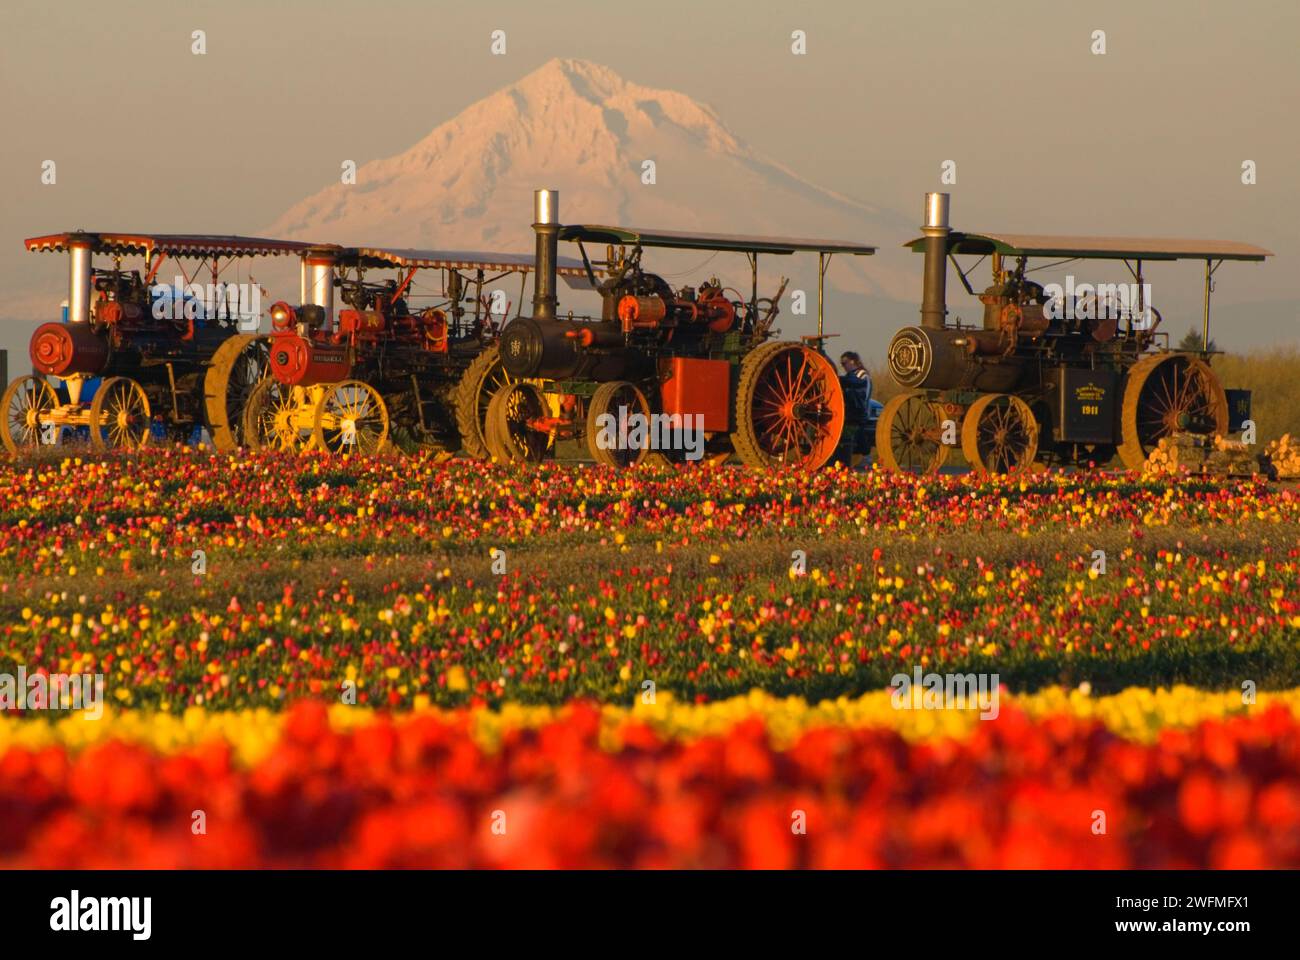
415 662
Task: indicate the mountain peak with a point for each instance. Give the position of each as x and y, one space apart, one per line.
586 79
589 97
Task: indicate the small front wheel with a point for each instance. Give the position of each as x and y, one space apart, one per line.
999 434
350 418
512 431
119 415
275 417
611 439
28 403
909 434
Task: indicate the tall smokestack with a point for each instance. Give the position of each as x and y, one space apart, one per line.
317 280
546 223
934 306
79 277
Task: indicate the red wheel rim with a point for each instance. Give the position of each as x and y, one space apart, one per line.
798 408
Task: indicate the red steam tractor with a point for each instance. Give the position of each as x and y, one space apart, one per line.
660 363
136 358
383 370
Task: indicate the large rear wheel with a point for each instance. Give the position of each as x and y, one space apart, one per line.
234 371
1169 393
789 408
480 382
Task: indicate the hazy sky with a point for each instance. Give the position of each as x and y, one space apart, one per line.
1147 139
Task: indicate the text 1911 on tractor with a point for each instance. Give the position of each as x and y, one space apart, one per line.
389 367
671 373
137 358
1049 376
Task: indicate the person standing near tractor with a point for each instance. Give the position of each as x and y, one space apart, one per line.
855 374
856 384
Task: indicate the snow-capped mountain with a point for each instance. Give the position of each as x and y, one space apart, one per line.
580 128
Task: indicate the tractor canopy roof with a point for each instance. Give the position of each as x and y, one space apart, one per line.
566 267
596 233
1096 248
171 244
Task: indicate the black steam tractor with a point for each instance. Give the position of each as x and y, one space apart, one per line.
1065 377
385 370
696 366
137 359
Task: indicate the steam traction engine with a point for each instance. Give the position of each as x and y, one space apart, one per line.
171 359
382 370
1061 379
690 355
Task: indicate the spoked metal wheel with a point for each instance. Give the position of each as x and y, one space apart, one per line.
119 416
1169 393
277 417
909 434
237 367
350 418
481 381
612 418
999 434
789 408
27 405
512 434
